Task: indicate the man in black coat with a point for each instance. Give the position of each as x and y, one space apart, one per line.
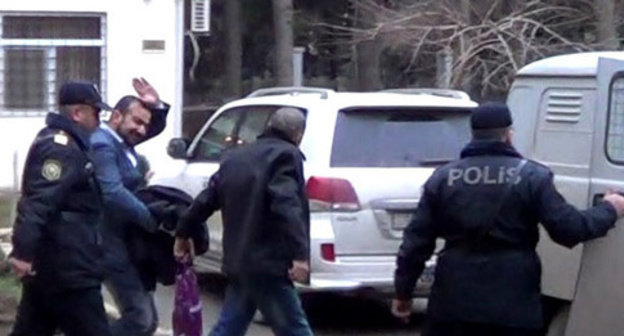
260 189
57 247
487 206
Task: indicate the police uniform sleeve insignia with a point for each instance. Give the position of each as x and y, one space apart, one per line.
61 139
51 170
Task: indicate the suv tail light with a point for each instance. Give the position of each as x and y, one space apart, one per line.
327 252
331 194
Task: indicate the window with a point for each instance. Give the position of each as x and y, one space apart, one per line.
399 137
218 136
23 85
38 53
615 131
254 123
234 127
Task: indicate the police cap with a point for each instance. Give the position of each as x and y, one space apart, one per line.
490 115
82 92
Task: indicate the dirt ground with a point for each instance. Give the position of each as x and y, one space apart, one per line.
8 305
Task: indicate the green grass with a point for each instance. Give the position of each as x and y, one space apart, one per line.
6 202
9 286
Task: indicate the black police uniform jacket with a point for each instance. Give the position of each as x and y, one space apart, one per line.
260 190
491 278
58 212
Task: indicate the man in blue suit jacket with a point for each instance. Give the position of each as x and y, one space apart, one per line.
134 120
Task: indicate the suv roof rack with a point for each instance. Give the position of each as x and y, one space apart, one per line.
293 90
448 93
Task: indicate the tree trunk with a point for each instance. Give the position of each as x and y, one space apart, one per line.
367 65
444 68
606 25
233 49
367 54
282 24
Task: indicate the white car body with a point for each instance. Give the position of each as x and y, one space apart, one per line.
353 239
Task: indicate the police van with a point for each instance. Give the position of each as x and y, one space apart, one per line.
569 115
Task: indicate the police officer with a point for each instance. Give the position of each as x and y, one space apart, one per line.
487 206
56 244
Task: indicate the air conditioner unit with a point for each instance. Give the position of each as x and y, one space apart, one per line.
200 16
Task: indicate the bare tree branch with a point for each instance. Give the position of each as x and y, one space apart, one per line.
490 43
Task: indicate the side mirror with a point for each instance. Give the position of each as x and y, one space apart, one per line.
177 148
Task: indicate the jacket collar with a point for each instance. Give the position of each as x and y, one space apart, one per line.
276 134
113 134
488 147
81 135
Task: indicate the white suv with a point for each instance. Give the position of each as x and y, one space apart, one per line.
368 155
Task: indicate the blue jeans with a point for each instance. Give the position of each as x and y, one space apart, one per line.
275 297
136 305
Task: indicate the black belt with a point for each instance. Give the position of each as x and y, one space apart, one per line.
485 245
74 216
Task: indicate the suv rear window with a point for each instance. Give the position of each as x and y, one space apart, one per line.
400 137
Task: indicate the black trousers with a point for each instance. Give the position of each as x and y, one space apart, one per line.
76 312
437 328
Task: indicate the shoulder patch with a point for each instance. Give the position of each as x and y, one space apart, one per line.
61 138
51 170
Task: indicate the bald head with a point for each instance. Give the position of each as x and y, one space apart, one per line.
290 121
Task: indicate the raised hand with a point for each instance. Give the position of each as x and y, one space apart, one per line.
146 91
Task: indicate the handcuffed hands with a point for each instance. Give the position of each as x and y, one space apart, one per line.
183 249
166 214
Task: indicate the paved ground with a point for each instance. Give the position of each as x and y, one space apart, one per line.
329 315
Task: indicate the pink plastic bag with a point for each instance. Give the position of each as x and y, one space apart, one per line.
187 311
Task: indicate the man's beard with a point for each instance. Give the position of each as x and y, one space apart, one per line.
130 139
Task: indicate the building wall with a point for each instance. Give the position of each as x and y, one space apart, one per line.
128 23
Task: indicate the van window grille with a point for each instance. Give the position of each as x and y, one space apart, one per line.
615 130
564 107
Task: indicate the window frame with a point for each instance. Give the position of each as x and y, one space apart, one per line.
49 46
235 131
616 76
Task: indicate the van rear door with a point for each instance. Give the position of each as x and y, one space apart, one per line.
599 300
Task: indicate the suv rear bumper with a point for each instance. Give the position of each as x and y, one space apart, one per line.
360 273
354 273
